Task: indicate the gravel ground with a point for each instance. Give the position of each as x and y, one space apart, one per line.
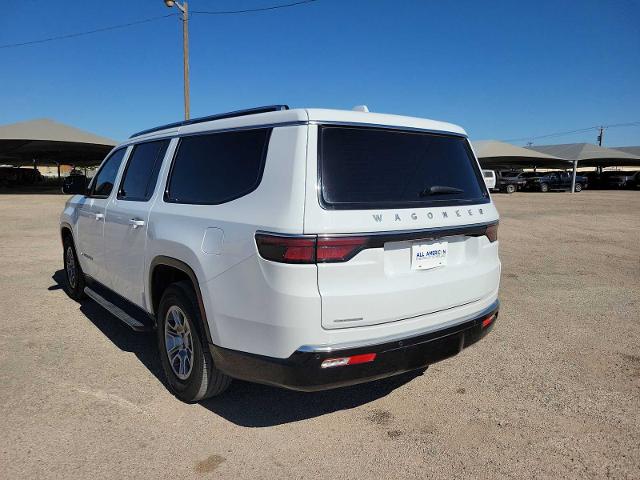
552 392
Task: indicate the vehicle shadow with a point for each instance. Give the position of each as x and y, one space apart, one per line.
244 404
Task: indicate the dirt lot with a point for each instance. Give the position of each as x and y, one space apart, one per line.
552 392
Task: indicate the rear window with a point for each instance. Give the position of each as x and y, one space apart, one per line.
217 167
377 168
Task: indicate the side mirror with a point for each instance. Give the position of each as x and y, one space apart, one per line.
75 185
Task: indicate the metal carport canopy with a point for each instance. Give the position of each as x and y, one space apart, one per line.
494 154
46 142
635 150
589 155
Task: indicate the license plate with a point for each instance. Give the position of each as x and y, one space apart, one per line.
428 255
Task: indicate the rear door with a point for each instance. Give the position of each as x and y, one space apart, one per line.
417 203
126 218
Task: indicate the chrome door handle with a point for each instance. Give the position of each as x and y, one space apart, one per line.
99 216
136 222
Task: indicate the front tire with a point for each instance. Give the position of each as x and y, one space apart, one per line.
578 188
74 276
510 188
184 355
544 188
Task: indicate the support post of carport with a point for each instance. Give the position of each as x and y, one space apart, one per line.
573 176
58 165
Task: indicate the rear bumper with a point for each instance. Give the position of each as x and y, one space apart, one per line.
303 371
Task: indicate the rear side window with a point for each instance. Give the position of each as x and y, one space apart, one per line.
217 167
103 181
139 179
365 168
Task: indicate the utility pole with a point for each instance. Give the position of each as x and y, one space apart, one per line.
184 8
600 135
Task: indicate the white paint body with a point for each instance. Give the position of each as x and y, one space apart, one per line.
489 178
263 307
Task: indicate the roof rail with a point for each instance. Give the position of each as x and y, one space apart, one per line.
217 116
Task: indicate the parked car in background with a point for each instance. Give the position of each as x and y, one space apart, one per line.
544 182
489 178
321 248
13 176
621 179
509 181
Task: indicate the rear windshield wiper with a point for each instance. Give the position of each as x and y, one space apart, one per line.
439 190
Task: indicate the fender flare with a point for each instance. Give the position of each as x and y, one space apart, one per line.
183 267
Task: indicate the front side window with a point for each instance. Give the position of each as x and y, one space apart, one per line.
103 181
365 168
218 167
139 179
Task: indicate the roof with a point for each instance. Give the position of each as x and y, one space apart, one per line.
51 142
304 115
589 155
500 154
632 150
47 129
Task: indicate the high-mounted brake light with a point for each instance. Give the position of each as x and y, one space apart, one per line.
492 232
308 249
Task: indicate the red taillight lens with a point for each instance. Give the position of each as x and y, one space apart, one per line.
339 249
308 249
492 232
287 249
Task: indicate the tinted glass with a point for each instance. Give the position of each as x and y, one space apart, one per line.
218 167
103 182
142 171
374 168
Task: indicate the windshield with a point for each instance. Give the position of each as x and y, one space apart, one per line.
365 167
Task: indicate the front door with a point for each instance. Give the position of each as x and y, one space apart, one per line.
91 215
127 215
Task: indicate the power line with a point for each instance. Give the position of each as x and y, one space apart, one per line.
153 19
251 10
571 132
88 32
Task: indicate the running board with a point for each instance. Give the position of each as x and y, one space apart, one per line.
116 311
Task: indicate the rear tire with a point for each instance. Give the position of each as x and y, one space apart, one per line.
74 276
510 189
544 188
578 188
183 348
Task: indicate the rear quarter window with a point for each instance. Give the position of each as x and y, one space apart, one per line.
215 168
366 168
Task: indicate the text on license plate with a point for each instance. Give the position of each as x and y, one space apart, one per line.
428 255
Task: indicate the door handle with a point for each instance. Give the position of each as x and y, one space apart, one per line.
99 216
136 222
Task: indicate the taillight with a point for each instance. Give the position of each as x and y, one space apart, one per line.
492 232
339 249
287 249
308 249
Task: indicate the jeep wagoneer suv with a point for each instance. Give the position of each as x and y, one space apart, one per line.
303 248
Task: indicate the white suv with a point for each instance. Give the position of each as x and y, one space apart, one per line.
303 248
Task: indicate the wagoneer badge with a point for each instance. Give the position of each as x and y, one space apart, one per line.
458 212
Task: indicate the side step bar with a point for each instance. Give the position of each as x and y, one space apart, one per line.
116 311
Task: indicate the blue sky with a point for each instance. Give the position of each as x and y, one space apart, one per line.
502 70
